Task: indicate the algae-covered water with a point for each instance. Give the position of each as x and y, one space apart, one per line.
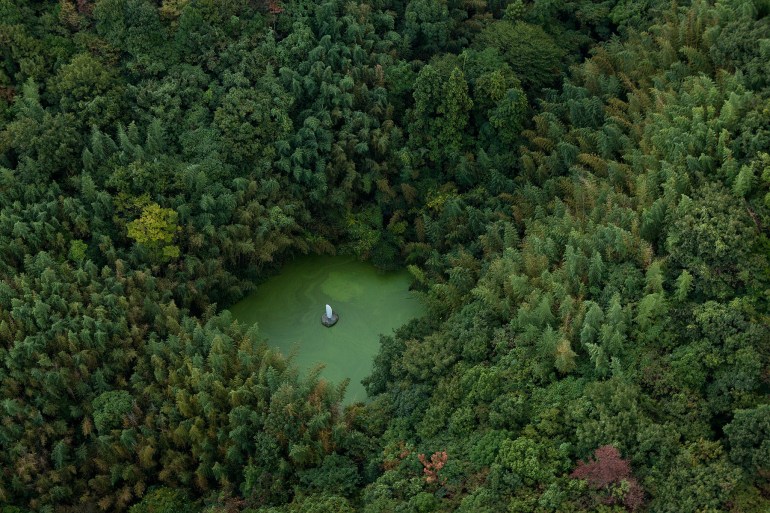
288 309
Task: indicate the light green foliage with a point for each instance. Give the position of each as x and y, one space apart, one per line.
744 182
78 250
156 229
683 285
564 356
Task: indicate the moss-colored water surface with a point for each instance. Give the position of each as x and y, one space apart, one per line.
288 309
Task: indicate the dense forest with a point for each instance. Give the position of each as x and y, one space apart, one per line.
579 188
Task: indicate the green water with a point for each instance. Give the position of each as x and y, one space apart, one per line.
288 309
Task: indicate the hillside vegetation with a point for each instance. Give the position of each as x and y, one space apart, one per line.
580 189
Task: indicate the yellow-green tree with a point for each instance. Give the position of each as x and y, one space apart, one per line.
155 229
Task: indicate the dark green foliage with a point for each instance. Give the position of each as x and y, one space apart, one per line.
324 503
732 39
749 437
532 54
163 500
580 188
701 479
708 239
109 410
428 25
337 474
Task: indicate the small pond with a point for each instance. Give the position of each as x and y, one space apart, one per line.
288 309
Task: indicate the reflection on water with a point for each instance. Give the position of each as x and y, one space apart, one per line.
289 306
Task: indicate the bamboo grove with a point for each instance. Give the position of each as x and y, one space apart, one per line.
580 190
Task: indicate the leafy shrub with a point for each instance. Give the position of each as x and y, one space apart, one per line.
110 408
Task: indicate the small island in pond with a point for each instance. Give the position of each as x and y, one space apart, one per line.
329 318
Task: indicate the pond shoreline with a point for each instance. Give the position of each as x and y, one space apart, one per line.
371 302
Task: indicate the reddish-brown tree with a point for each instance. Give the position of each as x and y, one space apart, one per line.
274 7
609 472
432 467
